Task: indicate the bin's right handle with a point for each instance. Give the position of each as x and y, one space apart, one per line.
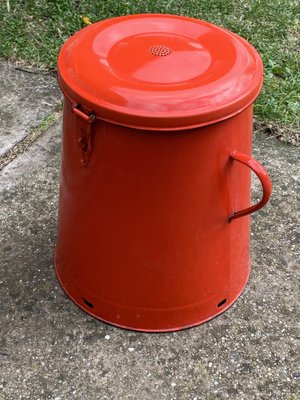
264 178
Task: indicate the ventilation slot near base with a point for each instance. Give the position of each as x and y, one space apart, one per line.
222 302
88 303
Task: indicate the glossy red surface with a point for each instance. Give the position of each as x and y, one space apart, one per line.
143 230
159 71
145 240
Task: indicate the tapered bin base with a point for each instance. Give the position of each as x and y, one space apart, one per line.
141 319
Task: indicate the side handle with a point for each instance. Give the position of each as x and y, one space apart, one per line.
262 175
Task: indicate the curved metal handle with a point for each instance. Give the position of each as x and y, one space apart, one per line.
263 177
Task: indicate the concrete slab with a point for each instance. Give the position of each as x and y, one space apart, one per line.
50 349
26 99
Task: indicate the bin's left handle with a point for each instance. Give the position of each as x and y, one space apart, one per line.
264 178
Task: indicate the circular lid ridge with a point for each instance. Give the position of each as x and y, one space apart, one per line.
159 71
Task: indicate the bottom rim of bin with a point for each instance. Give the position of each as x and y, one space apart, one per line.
86 306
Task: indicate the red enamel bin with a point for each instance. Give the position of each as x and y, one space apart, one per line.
153 225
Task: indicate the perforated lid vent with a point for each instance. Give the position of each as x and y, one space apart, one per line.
160 50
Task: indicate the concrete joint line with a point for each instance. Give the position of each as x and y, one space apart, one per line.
23 145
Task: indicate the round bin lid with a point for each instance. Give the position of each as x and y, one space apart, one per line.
160 72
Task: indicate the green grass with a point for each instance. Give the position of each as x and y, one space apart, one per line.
34 30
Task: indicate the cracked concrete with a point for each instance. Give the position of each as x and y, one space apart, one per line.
50 349
26 99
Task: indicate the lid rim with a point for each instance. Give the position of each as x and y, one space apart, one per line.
161 128
168 119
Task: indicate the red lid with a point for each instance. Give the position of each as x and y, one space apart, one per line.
157 71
